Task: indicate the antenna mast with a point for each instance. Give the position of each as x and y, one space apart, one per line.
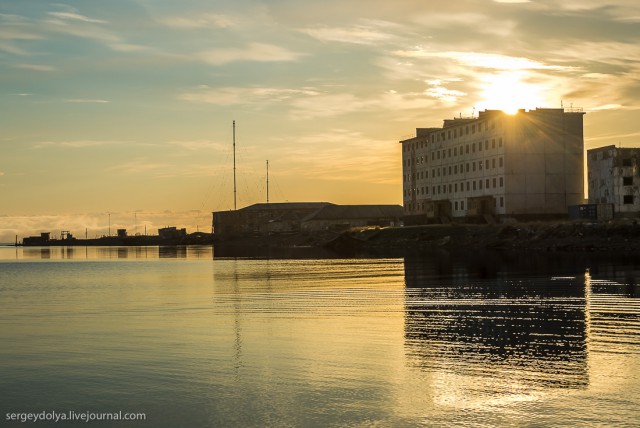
234 166
267 180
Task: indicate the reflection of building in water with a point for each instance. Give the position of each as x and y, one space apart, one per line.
526 329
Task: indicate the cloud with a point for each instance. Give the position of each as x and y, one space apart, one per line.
437 90
483 60
75 144
86 101
73 16
207 20
35 67
370 33
140 165
244 95
198 145
345 155
259 52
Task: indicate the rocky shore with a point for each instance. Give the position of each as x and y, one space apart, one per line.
620 236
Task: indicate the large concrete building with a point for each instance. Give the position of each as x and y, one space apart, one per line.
526 165
614 178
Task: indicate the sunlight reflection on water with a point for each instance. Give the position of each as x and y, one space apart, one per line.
194 340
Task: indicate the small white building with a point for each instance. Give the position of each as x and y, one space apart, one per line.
613 175
529 164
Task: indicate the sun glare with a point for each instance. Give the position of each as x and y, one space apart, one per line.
509 92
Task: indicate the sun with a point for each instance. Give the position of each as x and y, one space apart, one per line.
509 92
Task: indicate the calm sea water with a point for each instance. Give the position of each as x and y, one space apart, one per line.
193 339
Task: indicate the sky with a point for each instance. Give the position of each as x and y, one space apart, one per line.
119 114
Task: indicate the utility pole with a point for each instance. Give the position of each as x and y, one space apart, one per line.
267 181
235 206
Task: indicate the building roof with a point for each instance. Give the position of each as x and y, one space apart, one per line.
285 206
279 206
336 212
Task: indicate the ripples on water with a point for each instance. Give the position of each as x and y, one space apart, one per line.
433 340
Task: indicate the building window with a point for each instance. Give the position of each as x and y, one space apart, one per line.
486 164
486 145
628 199
493 143
473 129
456 205
449 153
468 167
455 187
426 190
479 165
467 186
501 181
473 147
455 169
450 187
474 185
480 184
480 146
433 190
501 162
474 166
494 182
500 142
493 163
449 170
627 181
501 201
455 151
438 154
626 162
466 150
461 205
487 184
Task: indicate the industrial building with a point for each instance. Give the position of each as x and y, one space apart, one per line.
613 175
294 217
527 165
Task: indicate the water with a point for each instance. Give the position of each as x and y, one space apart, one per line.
193 340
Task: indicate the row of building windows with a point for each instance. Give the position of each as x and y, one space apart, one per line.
454 152
458 187
457 169
457 205
453 133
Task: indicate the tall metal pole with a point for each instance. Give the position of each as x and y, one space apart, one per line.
234 166
267 180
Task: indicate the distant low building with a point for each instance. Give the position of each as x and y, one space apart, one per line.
293 217
613 175
262 219
172 233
